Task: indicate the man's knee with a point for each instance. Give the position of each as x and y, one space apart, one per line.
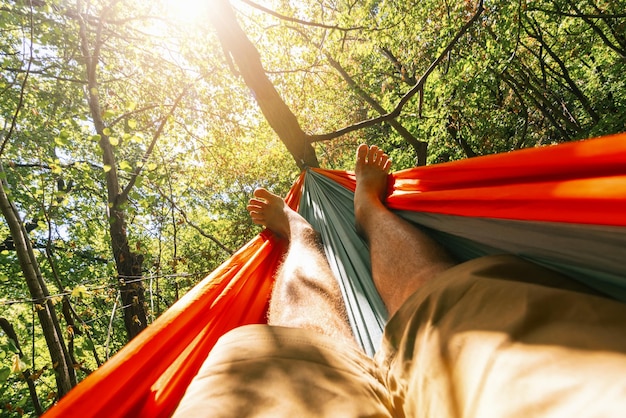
275 371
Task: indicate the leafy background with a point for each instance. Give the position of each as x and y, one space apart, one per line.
133 91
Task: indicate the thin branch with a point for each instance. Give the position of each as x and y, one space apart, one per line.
194 226
409 95
302 22
124 194
580 15
420 147
107 353
44 74
98 42
20 102
127 114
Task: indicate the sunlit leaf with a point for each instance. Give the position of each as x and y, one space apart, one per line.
17 365
56 169
79 291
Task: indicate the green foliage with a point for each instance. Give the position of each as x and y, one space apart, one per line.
526 74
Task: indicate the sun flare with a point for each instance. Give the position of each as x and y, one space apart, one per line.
187 11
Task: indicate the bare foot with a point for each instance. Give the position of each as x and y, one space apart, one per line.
270 210
372 169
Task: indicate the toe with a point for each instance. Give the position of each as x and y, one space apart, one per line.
387 165
372 154
257 219
253 208
266 197
262 193
382 160
361 153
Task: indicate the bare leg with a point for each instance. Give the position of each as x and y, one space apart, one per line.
306 294
403 257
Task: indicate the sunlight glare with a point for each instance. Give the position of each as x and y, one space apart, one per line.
192 12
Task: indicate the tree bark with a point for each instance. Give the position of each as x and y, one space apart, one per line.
59 356
240 49
29 378
128 263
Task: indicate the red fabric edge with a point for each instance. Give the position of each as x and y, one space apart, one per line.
579 182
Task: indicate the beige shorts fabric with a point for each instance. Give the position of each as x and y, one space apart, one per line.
493 337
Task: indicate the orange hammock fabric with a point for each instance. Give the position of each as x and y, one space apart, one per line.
575 183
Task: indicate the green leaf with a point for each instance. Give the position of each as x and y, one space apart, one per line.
114 141
5 372
12 346
87 344
79 351
106 168
132 123
124 165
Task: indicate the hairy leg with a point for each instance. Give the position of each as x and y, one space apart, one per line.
403 257
306 293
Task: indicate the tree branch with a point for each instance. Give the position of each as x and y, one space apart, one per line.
299 21
408 95
579 15
194 226
238 47
420 147
20 102
124 194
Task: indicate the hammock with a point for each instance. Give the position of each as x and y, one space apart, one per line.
563 207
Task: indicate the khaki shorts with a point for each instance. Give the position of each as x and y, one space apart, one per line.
484 339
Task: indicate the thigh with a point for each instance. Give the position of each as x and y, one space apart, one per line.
476 344
267 371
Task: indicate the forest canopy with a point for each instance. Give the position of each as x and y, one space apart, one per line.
133 132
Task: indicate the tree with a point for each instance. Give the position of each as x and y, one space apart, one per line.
130 146
504 85
61 361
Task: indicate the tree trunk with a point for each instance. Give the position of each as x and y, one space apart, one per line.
64 372
238 47
128 263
